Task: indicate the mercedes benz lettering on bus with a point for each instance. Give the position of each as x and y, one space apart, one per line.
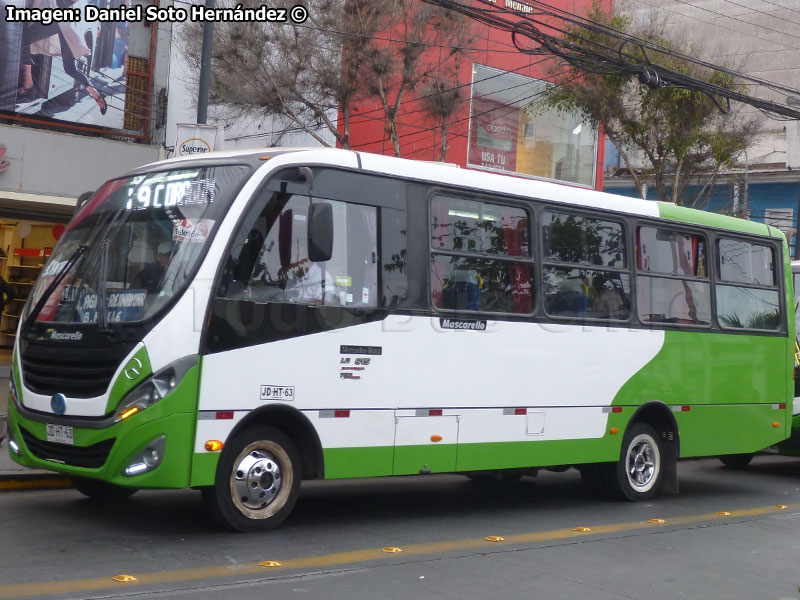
241 322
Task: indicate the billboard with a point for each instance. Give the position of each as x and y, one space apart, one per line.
71 71
510 131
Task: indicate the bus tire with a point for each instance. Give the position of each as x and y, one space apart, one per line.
101 491
638 473
257 480
736 461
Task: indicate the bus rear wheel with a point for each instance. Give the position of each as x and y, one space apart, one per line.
257 480
638 472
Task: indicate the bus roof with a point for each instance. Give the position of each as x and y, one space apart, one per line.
445 174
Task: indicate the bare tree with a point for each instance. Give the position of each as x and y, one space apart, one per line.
442 98
346 51
425 39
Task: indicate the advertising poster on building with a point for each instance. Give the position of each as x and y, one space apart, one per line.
71 71
493 142
510 131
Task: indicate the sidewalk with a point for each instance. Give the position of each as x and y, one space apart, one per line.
12 475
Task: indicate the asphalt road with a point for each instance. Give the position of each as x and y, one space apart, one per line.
727 535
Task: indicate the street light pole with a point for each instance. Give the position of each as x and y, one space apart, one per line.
205 69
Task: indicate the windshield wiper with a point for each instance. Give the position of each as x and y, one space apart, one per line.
102 317
79 251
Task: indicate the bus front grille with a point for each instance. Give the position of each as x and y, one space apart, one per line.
88 457
73 377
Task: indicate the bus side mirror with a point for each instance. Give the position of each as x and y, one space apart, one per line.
320 232
285 238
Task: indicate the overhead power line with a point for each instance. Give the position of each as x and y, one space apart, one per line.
550 30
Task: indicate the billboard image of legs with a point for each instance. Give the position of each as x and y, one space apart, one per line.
71 71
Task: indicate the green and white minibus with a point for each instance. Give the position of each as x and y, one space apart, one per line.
240 322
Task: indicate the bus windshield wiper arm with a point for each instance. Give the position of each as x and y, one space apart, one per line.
102 317
79 251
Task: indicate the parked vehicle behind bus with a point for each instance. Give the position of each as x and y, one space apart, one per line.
240 322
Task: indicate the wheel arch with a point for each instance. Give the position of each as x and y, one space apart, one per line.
659 416
297 427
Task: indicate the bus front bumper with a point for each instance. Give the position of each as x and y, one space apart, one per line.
150 450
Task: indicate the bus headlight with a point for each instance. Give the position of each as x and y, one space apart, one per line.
146 459
146 394
154 388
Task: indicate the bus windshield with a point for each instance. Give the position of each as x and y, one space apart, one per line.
134 246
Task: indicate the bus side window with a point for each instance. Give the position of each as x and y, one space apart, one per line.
272 264
672 284
747 289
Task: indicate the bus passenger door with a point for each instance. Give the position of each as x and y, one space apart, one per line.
425 442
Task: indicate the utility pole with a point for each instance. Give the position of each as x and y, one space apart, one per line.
205 69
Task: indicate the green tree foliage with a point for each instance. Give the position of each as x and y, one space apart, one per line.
683 134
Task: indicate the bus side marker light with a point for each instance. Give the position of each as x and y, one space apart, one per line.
214 445
269 563
124 578
781 507
391 549
613 430
495 538
656 521
776 424
686 408
723 513
129 413
436 438
582 529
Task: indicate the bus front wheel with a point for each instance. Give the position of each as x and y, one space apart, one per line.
637 475
257 480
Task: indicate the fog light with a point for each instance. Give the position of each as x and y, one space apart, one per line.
146 459
12 443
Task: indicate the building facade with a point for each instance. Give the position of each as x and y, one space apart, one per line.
498 126
80 103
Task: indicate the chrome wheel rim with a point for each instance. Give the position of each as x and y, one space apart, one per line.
642 463
261 480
